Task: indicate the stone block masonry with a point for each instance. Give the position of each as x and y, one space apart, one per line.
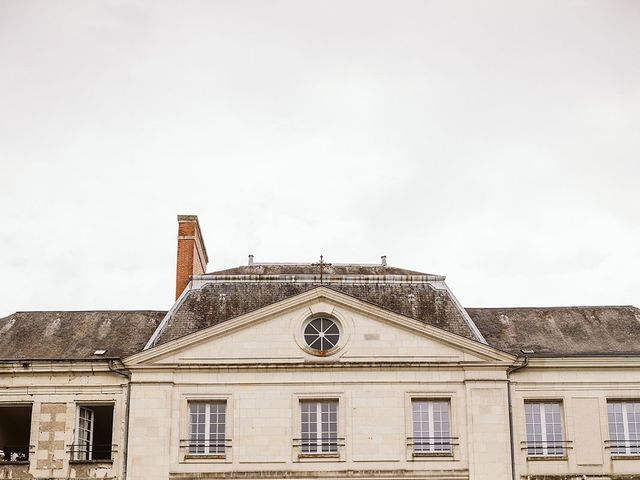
51 450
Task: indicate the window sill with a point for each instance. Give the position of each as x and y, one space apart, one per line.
432 454
319 455
15 462
547 458
632 456
110 461
195 456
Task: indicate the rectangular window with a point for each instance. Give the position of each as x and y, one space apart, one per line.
94 433
431 426
319 426
624 427
544 429
15 433
207 427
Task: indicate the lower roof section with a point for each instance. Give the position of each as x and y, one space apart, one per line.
76 335
561 331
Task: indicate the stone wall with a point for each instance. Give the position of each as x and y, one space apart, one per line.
54 392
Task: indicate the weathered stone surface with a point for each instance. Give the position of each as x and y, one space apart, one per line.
49 446
363 474
90 470
15 471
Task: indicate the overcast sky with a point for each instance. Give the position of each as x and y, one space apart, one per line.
494 142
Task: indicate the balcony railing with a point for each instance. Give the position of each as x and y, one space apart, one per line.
15 453
92 453
546 448
621 446
319 446
216 447
436 445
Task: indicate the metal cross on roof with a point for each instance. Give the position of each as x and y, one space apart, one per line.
321 264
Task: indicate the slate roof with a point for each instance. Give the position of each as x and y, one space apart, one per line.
219 301
223 295
76 335
561 331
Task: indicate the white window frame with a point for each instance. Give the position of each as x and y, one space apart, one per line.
327 323
326 439
431 444
220 445
346 327
541 448
626 445
83 449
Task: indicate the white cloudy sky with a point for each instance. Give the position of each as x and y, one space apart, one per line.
495 142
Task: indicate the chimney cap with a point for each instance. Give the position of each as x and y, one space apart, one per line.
187 218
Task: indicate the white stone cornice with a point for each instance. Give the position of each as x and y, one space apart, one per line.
34 366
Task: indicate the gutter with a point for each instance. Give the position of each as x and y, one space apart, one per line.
510 370
125 448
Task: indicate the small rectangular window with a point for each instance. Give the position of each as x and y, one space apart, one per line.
431 426
94 433
624 427
15 433
319 426
207 425
543 423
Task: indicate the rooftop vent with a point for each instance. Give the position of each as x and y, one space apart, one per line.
100 351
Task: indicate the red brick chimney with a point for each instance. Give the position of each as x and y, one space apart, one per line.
192 256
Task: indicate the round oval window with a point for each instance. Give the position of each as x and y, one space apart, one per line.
321 334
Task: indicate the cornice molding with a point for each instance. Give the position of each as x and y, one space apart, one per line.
208 366
27 367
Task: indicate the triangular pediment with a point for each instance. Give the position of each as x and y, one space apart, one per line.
274 335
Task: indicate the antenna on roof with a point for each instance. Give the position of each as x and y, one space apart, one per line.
250 260
383 259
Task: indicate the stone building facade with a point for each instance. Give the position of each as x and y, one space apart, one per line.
304 371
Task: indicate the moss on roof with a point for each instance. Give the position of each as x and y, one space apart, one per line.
76 335
560 331
218 302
